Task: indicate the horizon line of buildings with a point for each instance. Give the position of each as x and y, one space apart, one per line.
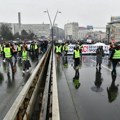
71 31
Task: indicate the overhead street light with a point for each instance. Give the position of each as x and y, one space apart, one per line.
48 17
52 23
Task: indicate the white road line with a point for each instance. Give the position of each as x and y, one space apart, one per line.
102 65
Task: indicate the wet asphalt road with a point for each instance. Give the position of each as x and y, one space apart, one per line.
11 86
97 97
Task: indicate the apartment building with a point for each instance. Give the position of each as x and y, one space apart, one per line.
71 31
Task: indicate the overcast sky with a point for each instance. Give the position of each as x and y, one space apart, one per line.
85 12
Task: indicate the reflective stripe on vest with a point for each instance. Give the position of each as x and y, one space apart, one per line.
77 53
116 54
7 52
24 55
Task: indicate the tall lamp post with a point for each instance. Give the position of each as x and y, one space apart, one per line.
108 32
52 24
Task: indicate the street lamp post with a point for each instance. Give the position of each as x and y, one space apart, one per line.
108 32
52 24
48 17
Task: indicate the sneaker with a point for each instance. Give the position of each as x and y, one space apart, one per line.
23 71
27 70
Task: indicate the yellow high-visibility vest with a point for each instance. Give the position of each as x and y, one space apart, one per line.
24 55
116 54
36 47
7 52
77 53
58 49
19 48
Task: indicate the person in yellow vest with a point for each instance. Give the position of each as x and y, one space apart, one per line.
19 49
65 48
8 57
24 60
58 51
115 58
76 57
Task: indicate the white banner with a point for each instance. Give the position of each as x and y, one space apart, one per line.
88 48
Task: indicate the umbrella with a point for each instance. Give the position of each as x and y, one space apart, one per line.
99 44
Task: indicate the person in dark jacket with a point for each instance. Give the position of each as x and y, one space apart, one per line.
99 55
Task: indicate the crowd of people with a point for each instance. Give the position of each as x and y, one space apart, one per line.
114 59
62 49
114 56
12 53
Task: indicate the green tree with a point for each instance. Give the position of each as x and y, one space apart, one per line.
31 35
16 35
6 32
24 34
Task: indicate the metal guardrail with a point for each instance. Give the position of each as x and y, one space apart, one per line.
55 101
23 105
46 95
50 103
22 108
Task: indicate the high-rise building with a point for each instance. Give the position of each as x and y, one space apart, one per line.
82 32
113 29
71 31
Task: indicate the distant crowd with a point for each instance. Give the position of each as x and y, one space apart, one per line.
12 52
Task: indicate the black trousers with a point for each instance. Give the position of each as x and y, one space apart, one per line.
76 62
114 64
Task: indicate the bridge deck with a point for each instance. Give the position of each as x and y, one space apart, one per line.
88 102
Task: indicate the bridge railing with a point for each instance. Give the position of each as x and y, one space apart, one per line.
50 103
55 100
23 105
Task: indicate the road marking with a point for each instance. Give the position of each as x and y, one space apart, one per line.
102 65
